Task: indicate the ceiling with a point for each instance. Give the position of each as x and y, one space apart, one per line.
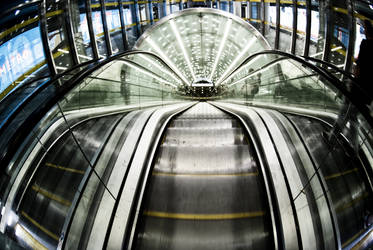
202 44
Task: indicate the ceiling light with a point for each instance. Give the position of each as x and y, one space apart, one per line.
227 28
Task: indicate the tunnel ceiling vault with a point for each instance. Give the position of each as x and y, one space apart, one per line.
202 43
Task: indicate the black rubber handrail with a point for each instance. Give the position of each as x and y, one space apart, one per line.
23 131
330 65
355 98
27 83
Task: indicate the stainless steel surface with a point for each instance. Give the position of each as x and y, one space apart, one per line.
301 204
139 168
287 227
206 191
323 226
343 176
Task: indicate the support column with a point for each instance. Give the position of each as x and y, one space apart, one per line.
70 32
308 29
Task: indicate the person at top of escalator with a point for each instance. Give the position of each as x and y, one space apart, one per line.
363 68
362 90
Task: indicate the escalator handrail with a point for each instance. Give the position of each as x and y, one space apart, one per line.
330 77
23 130
57 76
37 90
330 65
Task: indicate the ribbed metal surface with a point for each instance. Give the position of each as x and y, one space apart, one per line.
205 191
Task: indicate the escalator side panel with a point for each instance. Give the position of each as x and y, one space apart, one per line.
287 226
205 193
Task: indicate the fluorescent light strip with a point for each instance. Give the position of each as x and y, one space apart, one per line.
244 66
160 68
63 51
181 45
217 58
61 68
148 73
251 75
167 60
239 57
85 57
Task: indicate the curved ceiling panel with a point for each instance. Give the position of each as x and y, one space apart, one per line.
202 44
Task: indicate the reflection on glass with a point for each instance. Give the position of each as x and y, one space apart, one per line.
130 23
57 36
340 39
317 31
21 51
98 27
301 29
80 30
114 27
210 46
270 23
286 26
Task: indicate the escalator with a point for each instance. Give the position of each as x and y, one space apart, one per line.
54 183
344 175
206 190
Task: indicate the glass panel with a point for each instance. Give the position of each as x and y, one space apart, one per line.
144 16
339 43
130 23
317 30
21 50
98 27
301 28
156 11
80 28
209 47
114 27
270 22
286 25
57 36
174 6
255 15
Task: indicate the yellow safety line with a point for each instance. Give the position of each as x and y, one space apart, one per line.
51 196
286 2
96 5
21 78
29 239
352 238
340 10
64 168
247 140
255 20
181 216
340 174
364 242
29 72
54 13
155 173
18 26
27 22
349 204
49 233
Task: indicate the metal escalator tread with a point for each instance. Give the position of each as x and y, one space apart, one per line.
205 191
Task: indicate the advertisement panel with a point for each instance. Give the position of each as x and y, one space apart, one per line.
19 55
